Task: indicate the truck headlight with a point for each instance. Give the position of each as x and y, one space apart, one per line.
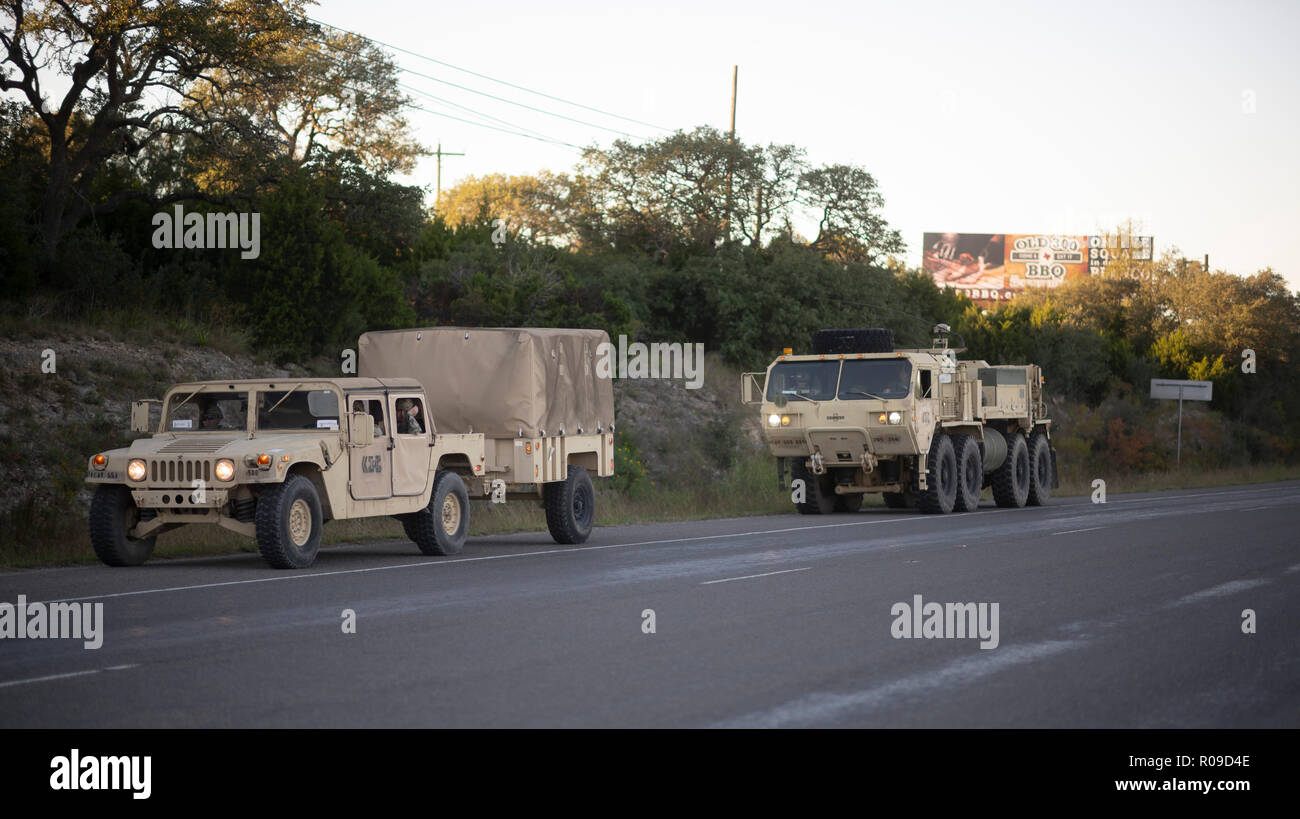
774 420
225 469
895 417
99 462
135 470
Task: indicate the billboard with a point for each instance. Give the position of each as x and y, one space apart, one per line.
992 267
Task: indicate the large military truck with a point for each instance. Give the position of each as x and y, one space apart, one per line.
439 416
919 426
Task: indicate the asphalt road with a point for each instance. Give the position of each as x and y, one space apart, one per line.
1127 614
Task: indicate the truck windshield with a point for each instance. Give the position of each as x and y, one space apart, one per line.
805 379
206 411
297 409
866 378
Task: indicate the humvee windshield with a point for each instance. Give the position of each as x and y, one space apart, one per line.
297 409
206 412
866 378
808 379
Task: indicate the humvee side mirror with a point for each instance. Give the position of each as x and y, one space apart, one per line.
140 414
363 429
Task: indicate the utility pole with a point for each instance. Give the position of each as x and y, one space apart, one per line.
440 153
731 144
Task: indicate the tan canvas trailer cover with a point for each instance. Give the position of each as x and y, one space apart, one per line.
499 382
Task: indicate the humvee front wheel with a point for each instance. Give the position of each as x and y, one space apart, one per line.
289 523
570 507
112 514
440 528
941 478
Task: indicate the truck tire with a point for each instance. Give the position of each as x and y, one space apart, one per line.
848 503
861 340
1040 470
970 472
1011 480
289 523
570 507
941 478
441 527
112 514
817 501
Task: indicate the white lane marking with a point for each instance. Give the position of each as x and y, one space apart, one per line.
278 578
826 707
752 576
494 557
65 676
1073 531
1221 590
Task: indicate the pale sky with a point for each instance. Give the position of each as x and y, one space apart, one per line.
973 117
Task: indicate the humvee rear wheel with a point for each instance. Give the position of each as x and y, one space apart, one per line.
113 513
1040 470
970 472
570 507
941 479
440 528
1011 480
289 523
819 499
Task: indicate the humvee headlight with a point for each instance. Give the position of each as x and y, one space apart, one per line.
99 462
225 469
264 460
785 420
135 470
774 420
895 417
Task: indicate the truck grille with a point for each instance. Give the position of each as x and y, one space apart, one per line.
181 473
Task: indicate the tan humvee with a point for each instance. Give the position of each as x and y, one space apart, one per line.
275 460
918 426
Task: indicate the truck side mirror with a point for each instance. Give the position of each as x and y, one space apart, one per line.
750 391
140 411
363 429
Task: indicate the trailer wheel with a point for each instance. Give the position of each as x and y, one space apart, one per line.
817 500
1040 470
570 507
440 528
1011 480
941 478
289 523
113 513
970 471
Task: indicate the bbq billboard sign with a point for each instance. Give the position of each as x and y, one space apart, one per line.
993 267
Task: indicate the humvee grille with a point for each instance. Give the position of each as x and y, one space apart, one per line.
182 472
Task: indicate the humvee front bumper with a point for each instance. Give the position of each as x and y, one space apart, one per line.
180 498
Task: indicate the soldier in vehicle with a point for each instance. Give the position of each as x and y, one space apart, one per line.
212 417
408 422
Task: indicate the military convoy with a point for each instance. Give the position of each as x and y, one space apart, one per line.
922 428
433 418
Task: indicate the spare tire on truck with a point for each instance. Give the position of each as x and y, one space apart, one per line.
842 342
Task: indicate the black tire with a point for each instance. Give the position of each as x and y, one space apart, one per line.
1040 470
862 340
941 478
112 514
441 527
570 507
819 497
289 523
848 503
1011 480
970 473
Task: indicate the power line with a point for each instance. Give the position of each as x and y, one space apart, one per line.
495 80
